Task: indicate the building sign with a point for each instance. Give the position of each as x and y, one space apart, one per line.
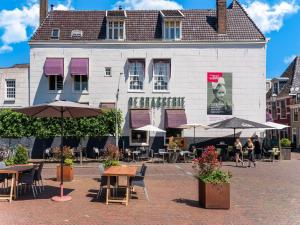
219 93
156 102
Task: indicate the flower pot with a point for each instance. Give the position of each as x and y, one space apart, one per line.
68 173
285 153
214 196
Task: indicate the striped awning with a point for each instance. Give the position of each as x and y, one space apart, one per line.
174 118
54 67
79 66
139 118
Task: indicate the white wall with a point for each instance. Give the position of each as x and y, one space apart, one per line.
21 77
190 64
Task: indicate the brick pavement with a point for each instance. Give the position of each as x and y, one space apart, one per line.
268 194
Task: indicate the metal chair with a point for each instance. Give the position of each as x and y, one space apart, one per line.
28 179
139 180
162 152
38 176
96 152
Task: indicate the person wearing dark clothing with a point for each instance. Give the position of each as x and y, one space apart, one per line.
257 148
250 149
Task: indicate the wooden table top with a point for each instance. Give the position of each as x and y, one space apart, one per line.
129 171
16 169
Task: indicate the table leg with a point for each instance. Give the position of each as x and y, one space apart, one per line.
15 183
127 191
107 189
12 188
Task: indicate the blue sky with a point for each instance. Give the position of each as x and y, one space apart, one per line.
278 19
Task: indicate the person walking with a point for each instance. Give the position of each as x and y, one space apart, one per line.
250 148
238 151
257 148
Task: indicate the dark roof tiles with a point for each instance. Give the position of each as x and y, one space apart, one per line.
172 13
146 25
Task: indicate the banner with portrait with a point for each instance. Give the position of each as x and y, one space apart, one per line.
219 93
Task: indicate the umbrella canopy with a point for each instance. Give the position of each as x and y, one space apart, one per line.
65 109
275 126
150 128
193 125
61 109
238 123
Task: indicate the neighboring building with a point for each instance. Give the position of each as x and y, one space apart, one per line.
268 84
14 86
172 66
283 101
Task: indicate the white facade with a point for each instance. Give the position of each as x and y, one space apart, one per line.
190 64
14 86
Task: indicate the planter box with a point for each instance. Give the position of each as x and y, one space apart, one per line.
285 153
214 196
68 173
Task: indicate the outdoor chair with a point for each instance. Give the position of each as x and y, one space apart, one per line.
103 180
96 153
139 180
47 153
162 152
28 179
38 176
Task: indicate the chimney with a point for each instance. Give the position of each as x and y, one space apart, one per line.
43 10
221 16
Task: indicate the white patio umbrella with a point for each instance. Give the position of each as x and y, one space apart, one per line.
275 126
60 109
194 126
150 128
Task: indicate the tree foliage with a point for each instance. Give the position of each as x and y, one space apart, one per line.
17 125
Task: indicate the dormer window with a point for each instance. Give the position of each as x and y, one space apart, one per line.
116 30
55 33
115 24
172 24
76 33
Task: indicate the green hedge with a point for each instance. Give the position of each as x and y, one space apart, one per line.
17 125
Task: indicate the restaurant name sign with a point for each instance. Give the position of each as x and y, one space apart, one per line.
156 102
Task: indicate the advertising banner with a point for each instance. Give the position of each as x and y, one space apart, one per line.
219 93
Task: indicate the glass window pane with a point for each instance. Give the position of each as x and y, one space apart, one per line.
172 33
110 35
121 33
84 85
115 33
77 83
51 83
59 81
177 33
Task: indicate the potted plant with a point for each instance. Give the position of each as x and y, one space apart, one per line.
213 185
20 157
113 155
285 149
68 173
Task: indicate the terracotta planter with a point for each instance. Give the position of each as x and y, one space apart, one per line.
285 153
68 173
214 196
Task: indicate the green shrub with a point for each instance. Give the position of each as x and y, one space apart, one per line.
216 177
284 142
21 156
68 162
9 161
111 162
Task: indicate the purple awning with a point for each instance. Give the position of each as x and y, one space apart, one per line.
54 66
175 118
139 118
79 66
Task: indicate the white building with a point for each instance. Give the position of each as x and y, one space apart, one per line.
172 66
14 86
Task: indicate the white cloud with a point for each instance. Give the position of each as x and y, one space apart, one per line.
289 59
5 49
148 4
18 24
270 17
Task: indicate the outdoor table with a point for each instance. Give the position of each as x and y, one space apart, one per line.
14 171
119 171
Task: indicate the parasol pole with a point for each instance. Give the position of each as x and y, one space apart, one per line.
194 135
62 153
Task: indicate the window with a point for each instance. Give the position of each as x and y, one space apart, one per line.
172 30
139 137
80 83
55 83
282 109
275 88
115 30
136 75
274 111
55 33
298 98
10 89
108 71
295 116
76 33
161 76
